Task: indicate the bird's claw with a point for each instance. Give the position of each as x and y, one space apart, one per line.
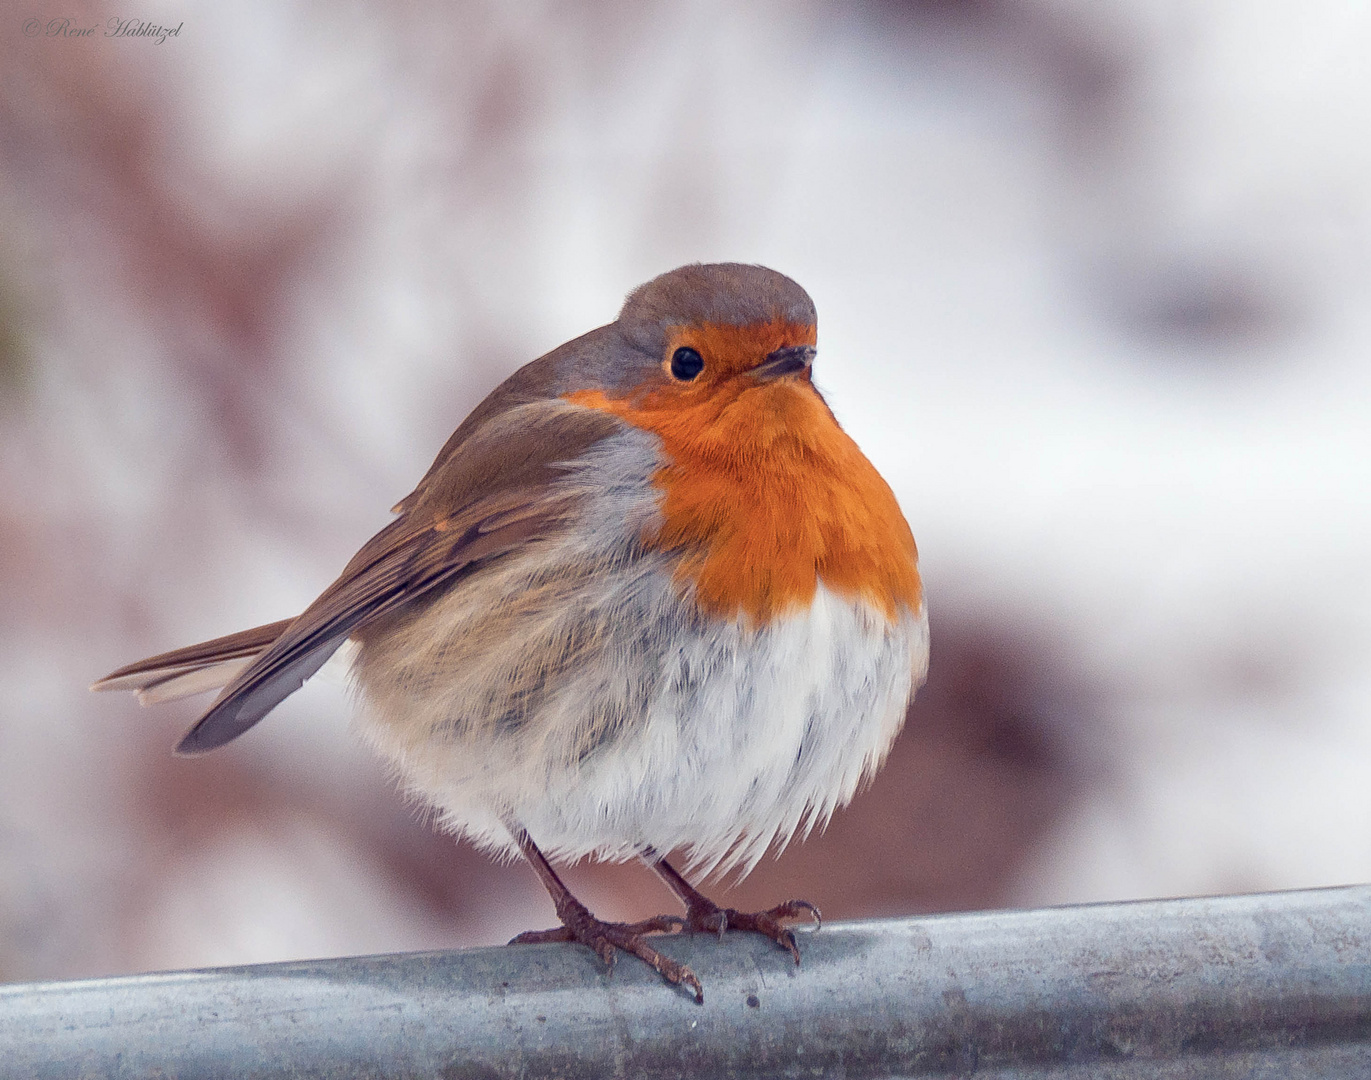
709 917
605 938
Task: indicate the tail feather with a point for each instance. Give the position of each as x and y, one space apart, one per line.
191 681
210 665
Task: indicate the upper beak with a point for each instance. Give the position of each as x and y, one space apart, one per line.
785 361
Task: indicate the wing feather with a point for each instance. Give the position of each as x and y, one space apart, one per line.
495 494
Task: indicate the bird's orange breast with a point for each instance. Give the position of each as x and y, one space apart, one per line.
766 496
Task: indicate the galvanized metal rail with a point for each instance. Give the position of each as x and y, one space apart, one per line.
1275 985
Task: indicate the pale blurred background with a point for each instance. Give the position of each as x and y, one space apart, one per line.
1094 282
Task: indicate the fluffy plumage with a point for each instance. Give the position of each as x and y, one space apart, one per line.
621 610
578 690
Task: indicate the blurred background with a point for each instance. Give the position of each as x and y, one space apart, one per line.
1094 282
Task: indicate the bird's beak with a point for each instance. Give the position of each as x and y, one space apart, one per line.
787 361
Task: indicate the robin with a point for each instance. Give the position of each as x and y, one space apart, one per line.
650 597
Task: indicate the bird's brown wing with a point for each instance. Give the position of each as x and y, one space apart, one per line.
499 492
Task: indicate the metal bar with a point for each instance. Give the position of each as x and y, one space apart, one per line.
1275 985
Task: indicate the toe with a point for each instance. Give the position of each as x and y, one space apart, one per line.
658 924
786 939
607 939
538 937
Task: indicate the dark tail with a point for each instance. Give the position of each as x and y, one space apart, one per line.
211 665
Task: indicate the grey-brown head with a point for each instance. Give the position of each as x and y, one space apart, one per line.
691 325
702 294
712 318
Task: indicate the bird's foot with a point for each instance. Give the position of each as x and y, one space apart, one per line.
578 924
703 915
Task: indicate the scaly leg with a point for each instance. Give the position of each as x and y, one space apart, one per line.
578 924
703 913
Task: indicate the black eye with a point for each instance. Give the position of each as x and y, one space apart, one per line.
686 364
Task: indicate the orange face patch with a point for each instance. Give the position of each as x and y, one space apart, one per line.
732 350
765 495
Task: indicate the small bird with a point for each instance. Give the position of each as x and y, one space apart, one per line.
650 597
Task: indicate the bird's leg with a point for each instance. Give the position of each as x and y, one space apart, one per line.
578 924
702 913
